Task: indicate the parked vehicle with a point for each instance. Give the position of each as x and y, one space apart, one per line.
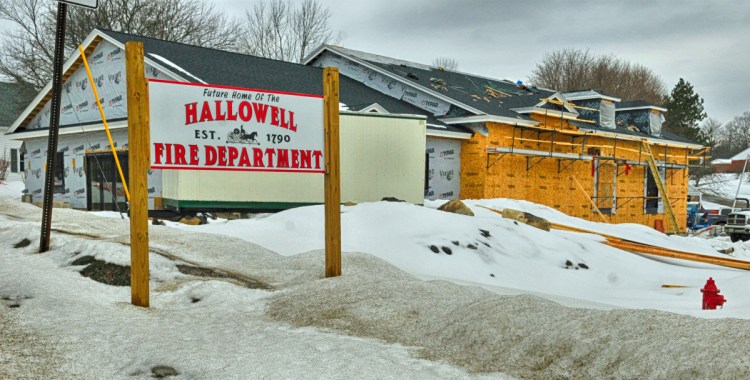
720 218
738 223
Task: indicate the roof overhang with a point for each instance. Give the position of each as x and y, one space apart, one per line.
655 108
546 112
374 107
490 119
447 134
583 95
27 135
653 140
72 64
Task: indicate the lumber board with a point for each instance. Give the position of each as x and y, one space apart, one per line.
636 247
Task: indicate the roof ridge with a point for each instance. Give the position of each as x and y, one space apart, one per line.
204 47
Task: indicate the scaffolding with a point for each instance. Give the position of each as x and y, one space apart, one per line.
578 149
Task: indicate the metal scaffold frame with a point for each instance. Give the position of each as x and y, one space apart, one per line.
566 160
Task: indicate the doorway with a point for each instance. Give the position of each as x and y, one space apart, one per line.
105 189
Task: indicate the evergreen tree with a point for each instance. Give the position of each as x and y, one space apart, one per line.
685 111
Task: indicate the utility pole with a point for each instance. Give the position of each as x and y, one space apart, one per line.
54 127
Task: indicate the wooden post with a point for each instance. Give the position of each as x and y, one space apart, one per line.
138 161
332 177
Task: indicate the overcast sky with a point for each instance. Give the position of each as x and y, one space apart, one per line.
705 42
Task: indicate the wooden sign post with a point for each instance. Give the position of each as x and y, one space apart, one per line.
139 161
331 176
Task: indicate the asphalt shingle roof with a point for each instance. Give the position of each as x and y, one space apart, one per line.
13 99
472 90
234 69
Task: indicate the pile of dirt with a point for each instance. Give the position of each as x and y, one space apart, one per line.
213 273
106 273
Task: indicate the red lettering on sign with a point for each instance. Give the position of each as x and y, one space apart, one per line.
295 158
169 154
222 156
179 155
292 126
219 116
194 154
275 116
210 155
282 158
260 112
270 152
191 113
317 155
244 158
305 159
257 158
233 155
206 113
284 124
231 116
246 111
158 152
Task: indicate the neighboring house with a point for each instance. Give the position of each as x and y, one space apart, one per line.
734 164
567 151
11 96
86 177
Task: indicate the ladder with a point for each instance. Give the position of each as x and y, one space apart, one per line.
660 184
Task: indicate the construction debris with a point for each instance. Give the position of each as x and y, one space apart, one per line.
526 218
640 248
495 93
457 207
438 84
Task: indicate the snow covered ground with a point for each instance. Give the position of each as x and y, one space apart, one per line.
725 185
494 304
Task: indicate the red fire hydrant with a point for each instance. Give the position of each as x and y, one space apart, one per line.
711 296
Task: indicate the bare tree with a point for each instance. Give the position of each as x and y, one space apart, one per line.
711 131
738 133
27 52
574 69
287 30
446 63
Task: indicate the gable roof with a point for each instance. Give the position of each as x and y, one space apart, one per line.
473 94
227 68
741 156
206 65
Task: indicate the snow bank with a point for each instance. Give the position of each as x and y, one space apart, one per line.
12 189
58 324
375 321
522 336
511 256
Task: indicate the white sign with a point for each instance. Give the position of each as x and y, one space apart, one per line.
84 3
208 127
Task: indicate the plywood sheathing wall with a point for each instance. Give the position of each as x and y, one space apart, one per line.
508 177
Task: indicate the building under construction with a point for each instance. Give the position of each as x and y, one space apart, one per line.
584 153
